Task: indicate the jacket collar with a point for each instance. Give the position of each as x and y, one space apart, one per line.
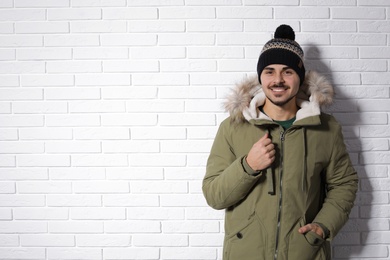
243 102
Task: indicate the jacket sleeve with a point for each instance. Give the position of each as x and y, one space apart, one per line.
226 182
342 185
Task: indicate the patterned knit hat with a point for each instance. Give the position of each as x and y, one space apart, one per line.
282 49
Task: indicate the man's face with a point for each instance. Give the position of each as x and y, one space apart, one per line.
280 84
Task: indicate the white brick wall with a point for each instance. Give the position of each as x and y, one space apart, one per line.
108 109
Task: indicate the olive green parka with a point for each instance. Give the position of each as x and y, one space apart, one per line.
311 180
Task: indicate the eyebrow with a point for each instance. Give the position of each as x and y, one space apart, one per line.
284 68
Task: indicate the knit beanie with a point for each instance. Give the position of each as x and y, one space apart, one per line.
282 49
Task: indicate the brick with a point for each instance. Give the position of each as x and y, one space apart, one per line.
186 39
193 146
98 26
360 251
35 187
71 40
204 213
22 253
364 39
132 253
74 14
359 65
8 134
187 173
66 93
39 108
83 213
156 26
186 12
22 200
77 174
44 54
222 78
21 120
187 92
131 66
106 133
45 134
372 78
22 227
153 79
22 67
358 13
7 188
129 119
237 65
158 133
155 213
21 147
131 200
372 52
302 13
41 214
187 66
272 2
158 187
9 241
43 160
47 80
105 3
245 12
101 53
189 253
131 147
79 200
104 160
72 120
75 253
15 94
219 52
72 147
132 226
129 92
128 39
73 66
41 27
7 161
92 106
6 55
241 39
190 227
157 106
104 241
160 240
158 52
76 227
131 13
374 26
206 240
140 173
47 240
23 15
21 40
56 3
187 119
329 2
376 237
182 200
9 80
156 159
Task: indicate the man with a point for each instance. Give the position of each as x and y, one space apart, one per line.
278 165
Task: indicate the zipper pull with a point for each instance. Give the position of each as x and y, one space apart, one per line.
282 135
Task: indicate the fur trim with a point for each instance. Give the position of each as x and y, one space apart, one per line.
242 102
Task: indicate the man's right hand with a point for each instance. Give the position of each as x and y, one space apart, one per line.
262 154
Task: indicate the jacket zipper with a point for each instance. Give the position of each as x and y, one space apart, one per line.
282 134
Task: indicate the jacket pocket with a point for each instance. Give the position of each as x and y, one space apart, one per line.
247 241
304 246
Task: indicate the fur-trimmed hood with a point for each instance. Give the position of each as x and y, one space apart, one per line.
243 102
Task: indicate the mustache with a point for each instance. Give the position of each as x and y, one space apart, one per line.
280 85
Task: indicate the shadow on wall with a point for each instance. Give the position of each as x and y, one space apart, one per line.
348 243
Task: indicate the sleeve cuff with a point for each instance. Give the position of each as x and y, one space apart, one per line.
247 168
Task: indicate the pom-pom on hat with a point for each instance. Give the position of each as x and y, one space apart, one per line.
282 49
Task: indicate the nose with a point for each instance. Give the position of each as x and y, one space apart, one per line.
278 78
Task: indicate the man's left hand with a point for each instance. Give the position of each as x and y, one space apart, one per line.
312 227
